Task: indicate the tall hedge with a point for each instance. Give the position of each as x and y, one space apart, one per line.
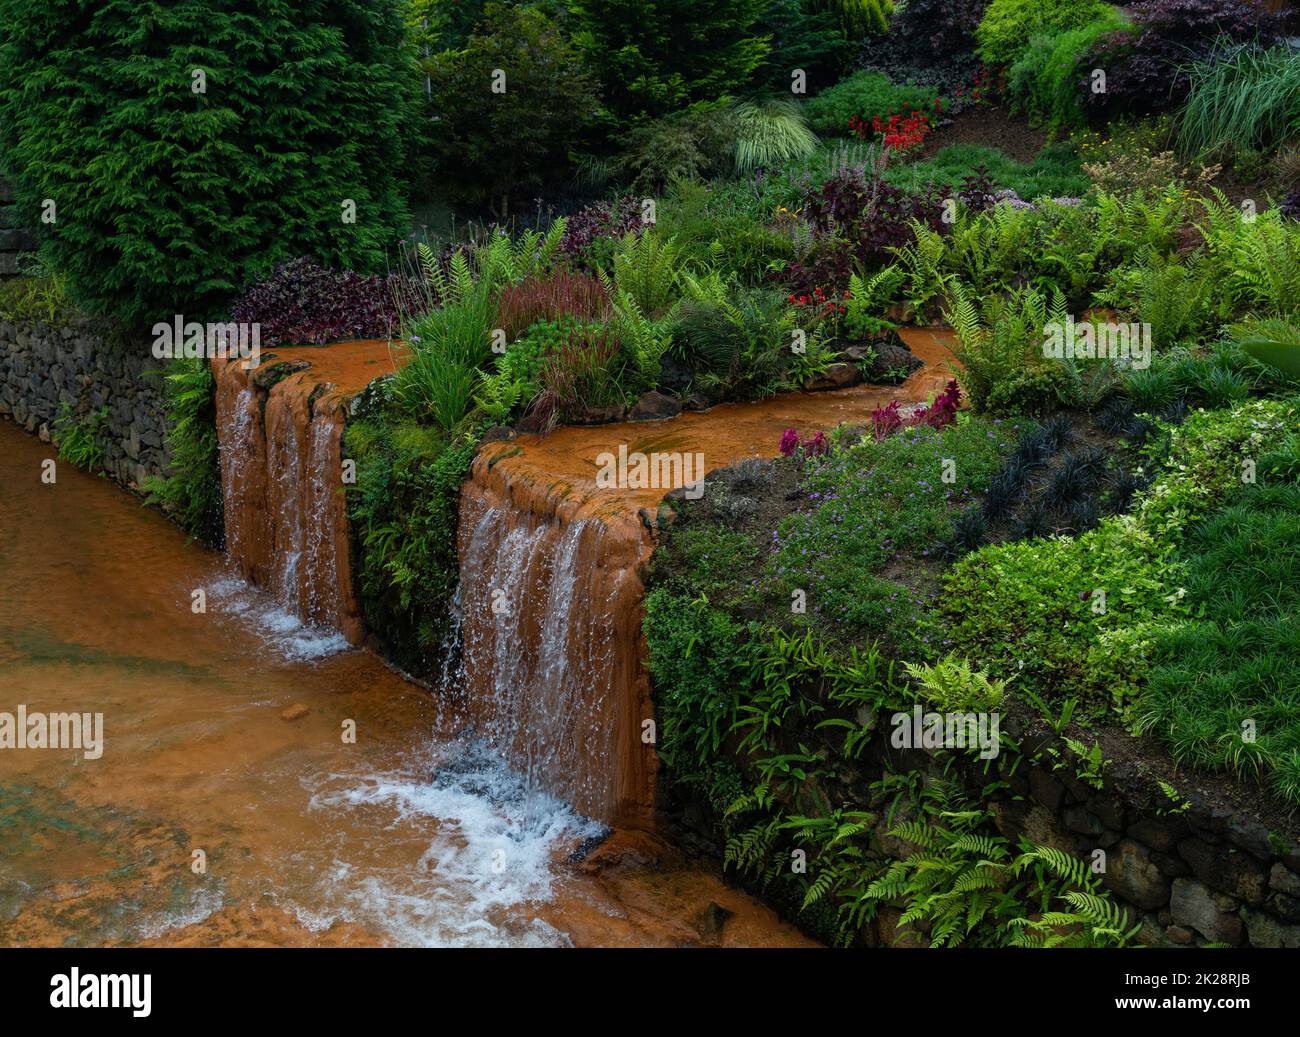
167 199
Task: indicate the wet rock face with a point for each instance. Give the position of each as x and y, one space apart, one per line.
280 430
550 618
46 368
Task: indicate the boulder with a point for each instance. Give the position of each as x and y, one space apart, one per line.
837 376
655 406
1193 905
1133 875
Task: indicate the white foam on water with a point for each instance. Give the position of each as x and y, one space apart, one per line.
489 856
272 622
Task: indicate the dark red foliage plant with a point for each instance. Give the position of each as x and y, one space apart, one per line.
560 293
940 414
856 218
816 445
608 220
1146 67
302 303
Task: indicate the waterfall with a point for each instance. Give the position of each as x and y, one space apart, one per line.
285 513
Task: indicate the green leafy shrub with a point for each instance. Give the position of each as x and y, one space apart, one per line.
653 57
716 229
864 94
1008 25
802 37
168 199
859 17
694 144
191 490
1044 81
1032 608
505 146
1275 342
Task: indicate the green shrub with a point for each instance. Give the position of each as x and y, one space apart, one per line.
653 57
864 94
859 17
802 38
1032 608
694 144
191 490
1044 81
504 146
720 229
1005 32
167 200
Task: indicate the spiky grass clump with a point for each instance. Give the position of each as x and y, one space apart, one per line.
1249 98
770 134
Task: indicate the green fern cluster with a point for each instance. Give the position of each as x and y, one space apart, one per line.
1001 352
191 489
76 437
962 883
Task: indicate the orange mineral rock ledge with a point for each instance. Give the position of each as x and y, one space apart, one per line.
556 677
281 463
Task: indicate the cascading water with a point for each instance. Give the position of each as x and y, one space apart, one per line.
550 595
550 667
285 513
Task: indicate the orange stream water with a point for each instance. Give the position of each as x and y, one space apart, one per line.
398 838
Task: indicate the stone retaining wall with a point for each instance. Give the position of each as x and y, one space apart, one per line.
1195 871
47 371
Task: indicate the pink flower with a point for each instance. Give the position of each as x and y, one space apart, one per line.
789 442
817 446
885 420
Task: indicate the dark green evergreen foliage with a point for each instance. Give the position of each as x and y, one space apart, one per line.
169 199
506 145
802 39
653 57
